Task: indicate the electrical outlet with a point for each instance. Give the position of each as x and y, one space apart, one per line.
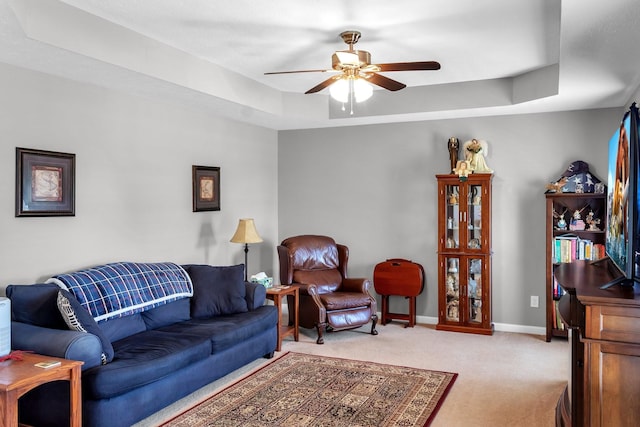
534 301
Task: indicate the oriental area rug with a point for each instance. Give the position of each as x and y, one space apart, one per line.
305 390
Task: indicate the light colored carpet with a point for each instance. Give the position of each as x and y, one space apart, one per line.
506 379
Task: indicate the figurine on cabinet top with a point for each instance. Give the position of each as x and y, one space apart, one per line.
453 145
475 151
463 169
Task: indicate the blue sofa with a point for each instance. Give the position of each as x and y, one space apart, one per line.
142 359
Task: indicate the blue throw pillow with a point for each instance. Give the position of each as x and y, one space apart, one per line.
217 290
167 314
78 318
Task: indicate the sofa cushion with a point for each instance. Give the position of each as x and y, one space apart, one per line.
122 327
226 331
78 318
217 290
35 305
141 359
173 312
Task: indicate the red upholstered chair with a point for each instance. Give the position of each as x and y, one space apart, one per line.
328 299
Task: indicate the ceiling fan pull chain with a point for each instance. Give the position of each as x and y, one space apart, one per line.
351 94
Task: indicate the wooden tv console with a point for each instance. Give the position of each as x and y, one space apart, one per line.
604 386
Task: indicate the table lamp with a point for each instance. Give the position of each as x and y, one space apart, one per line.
246 233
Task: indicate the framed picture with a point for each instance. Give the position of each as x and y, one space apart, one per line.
45 183
206 188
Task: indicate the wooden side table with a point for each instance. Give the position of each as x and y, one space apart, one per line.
20 376
277 294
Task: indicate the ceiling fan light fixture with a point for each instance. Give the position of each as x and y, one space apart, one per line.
362 90
342 89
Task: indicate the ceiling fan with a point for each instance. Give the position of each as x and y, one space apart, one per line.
356 64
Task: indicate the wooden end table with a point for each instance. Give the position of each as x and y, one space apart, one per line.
20 376
276 294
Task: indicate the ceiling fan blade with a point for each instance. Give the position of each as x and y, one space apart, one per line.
299 71
409 66
324 84
382 81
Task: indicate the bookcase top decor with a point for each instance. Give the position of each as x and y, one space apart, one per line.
576 179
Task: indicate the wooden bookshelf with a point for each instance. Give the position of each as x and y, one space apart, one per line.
558 204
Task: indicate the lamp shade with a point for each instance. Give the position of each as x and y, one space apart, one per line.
246 232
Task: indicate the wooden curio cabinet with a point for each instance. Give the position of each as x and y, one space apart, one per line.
464 253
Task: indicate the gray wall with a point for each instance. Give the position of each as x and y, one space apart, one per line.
373 188
133 182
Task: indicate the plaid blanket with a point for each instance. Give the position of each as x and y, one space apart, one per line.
124 288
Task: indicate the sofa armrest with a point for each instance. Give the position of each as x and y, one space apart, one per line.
63 343
256 295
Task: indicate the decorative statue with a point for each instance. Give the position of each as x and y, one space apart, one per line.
592 222
475 151
453 309
453 198
556 187
453 145
562 223
463 169
451 282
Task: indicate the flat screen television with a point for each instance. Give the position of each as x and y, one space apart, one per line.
623 227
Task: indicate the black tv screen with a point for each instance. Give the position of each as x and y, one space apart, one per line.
622 199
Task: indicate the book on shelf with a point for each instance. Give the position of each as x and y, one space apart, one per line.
557 319
569 247
558 291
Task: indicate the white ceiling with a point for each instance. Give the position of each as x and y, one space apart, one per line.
497 56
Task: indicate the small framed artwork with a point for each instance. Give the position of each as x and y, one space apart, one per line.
45 183
206 188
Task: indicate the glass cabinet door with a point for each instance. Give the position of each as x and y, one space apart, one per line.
452 266
474 290
474 215
452 214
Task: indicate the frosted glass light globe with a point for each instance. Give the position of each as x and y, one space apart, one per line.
341 90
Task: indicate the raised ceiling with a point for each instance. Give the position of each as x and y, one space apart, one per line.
497 56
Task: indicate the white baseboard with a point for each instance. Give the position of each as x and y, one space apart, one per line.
501 327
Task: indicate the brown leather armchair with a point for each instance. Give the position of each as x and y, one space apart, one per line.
328 299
